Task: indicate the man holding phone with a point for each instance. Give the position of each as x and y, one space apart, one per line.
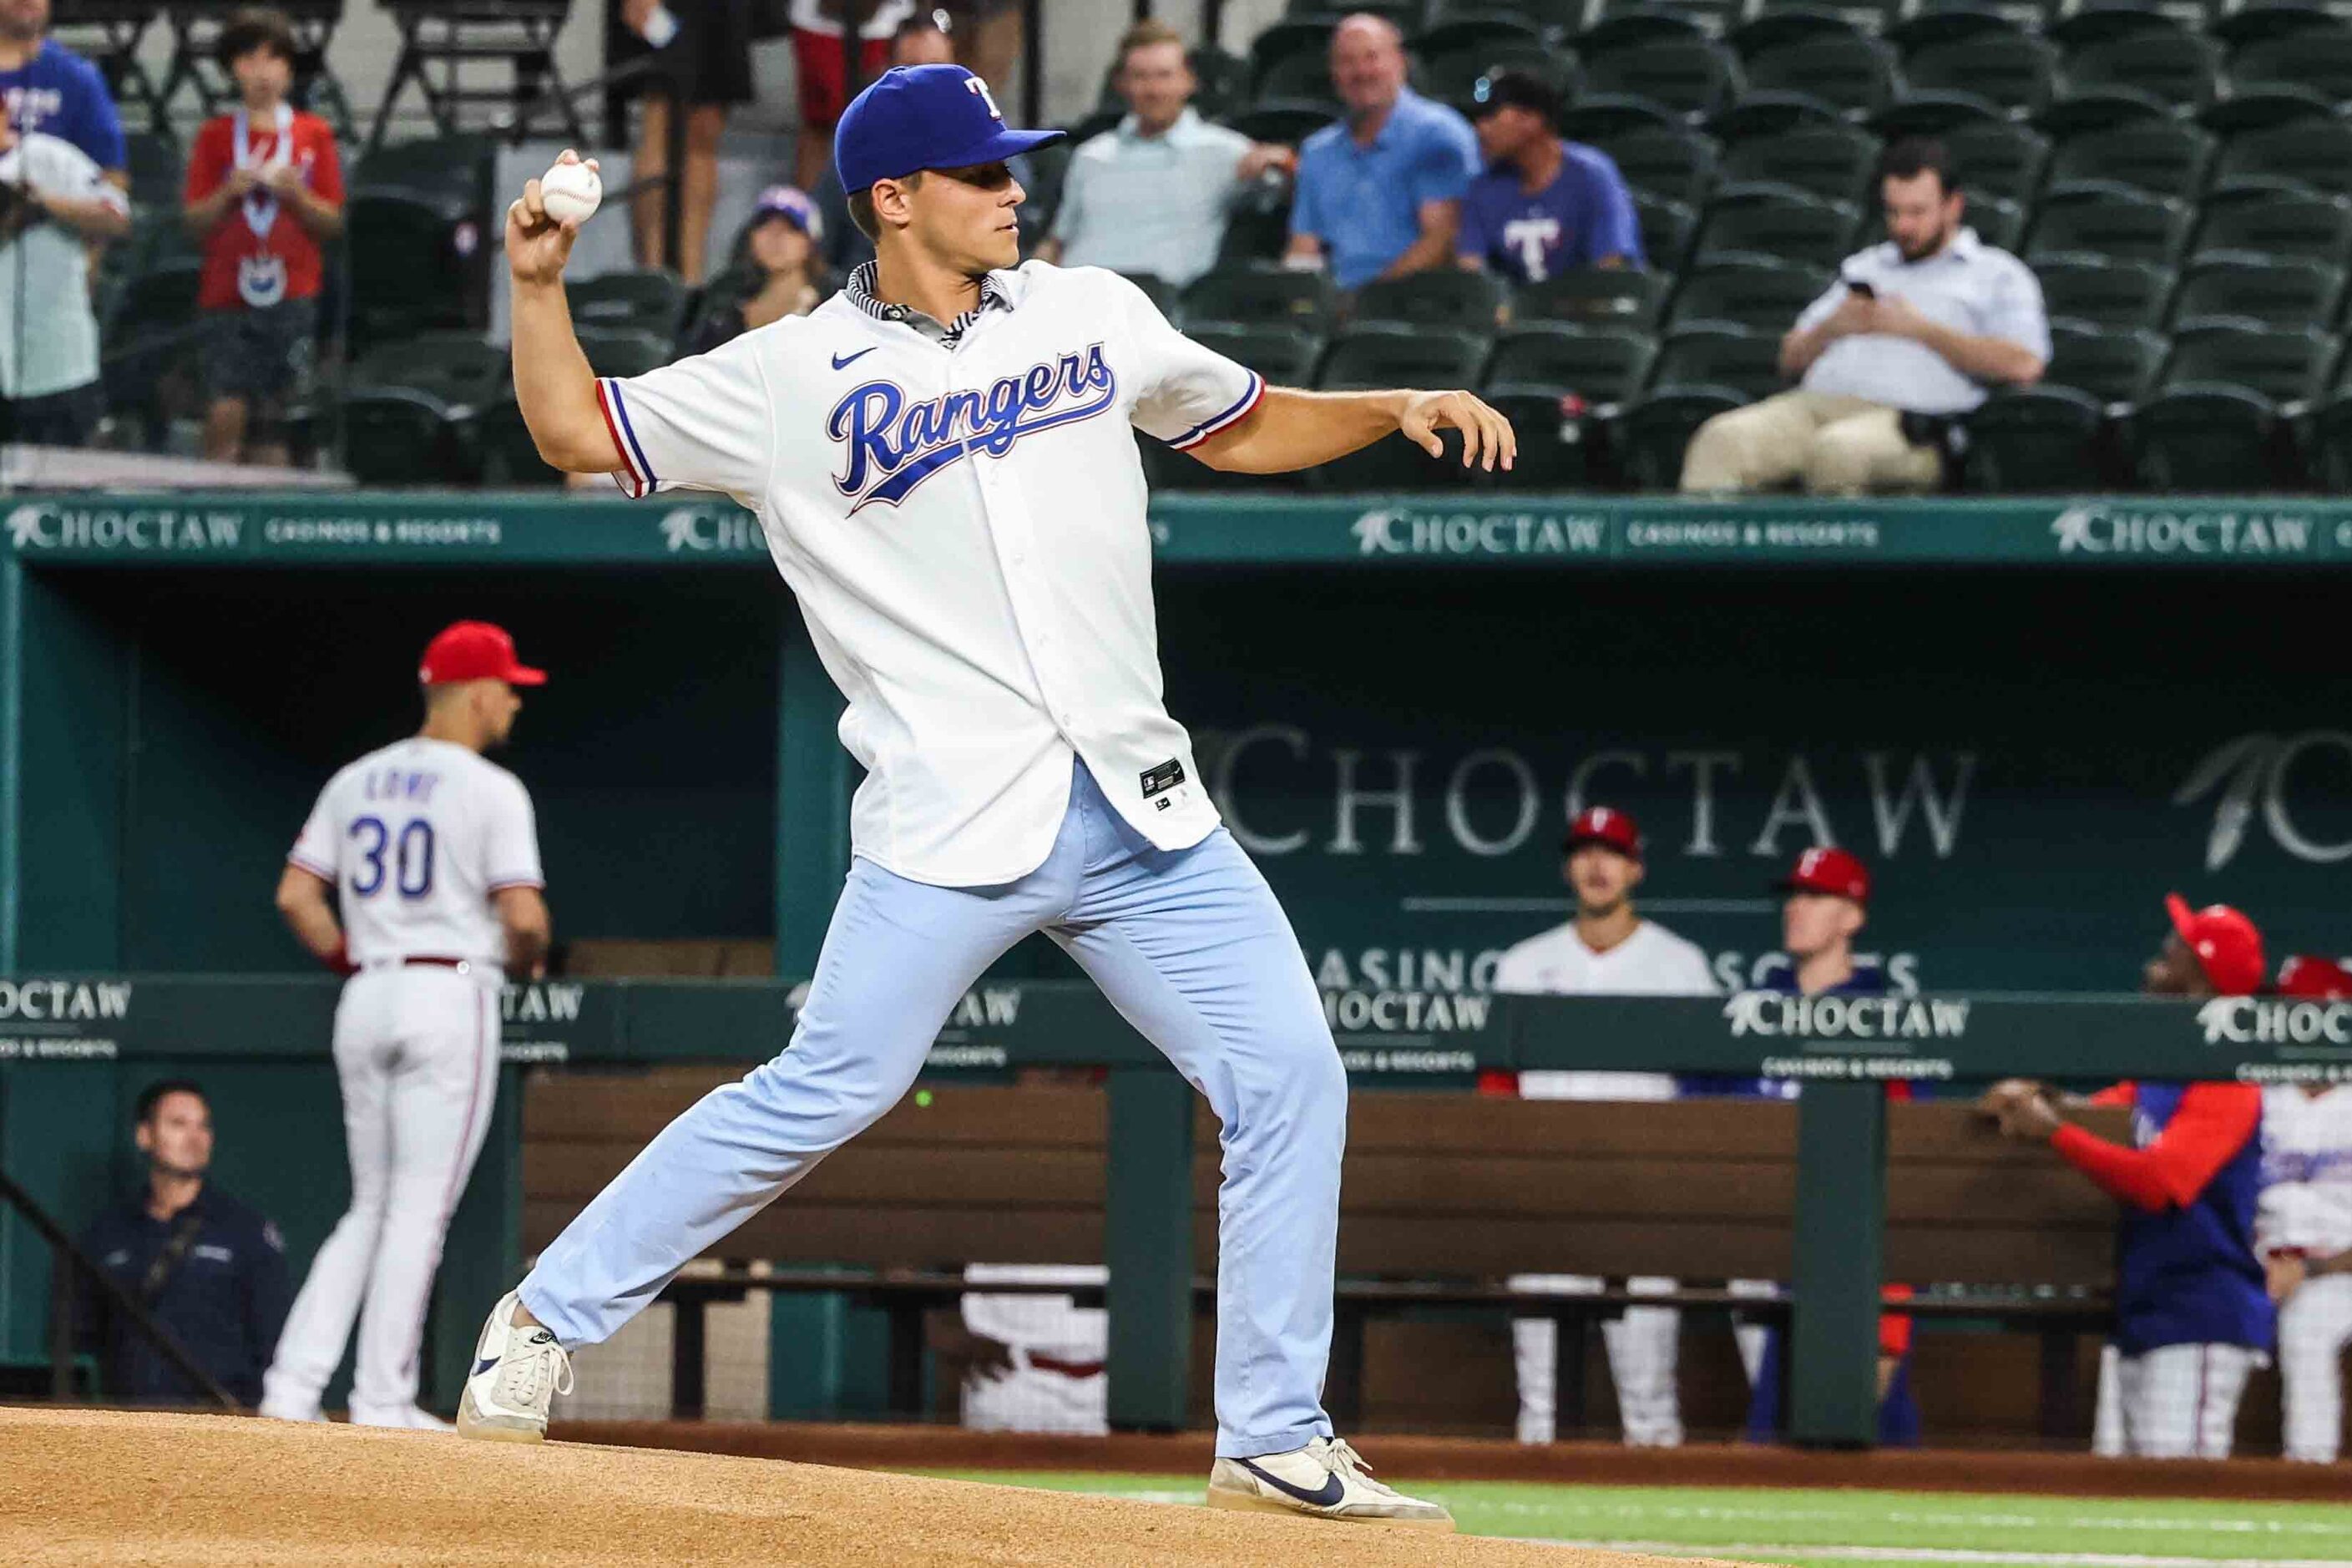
1914 333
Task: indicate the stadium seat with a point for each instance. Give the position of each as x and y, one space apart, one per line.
1388 355
1700 372
1833 162
621 351
2098 291
2328 443
1594 119
1869 15
1303 78
1614 21
2278 222
2257 20
1666 230
2278 291
1263 294
157 167
408 410
1558 435
149 335
2107 219
1257 226
1600 364
1934 114
2160 156
416 264
2023 440
1492 32
1406 14
1803 229
2114 364
1453 79
1998 158
454 165
2317 60
1757 293
1286 124
1851 74
2172 66
2217 420
1279 45
2312 151
1553 19
653 298
1448 298
1595 297
1676 164
2007 70
1685 75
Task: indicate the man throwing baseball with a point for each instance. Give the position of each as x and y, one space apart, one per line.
939 457
431 851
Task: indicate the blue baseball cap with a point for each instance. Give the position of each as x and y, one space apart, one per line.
791 205
923 117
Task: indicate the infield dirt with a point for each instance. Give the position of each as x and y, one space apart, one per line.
90 1487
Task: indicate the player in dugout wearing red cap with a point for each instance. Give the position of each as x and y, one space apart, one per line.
2302 1231
2192 1315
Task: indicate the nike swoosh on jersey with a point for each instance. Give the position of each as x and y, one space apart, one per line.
1327 1495
841 362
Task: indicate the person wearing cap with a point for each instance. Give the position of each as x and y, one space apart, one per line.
1379 190
942 457
418 878
1608 950
1152 194
2302 1230
2193 1316
1544 206
780 245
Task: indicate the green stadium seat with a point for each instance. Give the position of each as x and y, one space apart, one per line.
1448 298
1554 19
1777 26
2278 291
2160 156
2327 444
1556 437
2317 59
409 410
2107 219
1851 74
1757 293
1666 230
1869 15
158 170
1833 162
1406 14
1618 23
2173 66
1299 78
2010 72
149 335
2219 418
1673 162
1594 118
1595 297
2101 292
2258 19
1285 124
623 352
1700 372
653 298
2278 222
2024 440
1789 226
1388 355
416 264
1263 294
1484 31
1453 79
1998 158
1934 114
507 456
2114 364
1599 364
1690 77
1293 39
2312 150
1257 226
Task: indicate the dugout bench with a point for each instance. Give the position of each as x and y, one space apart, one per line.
1445 1194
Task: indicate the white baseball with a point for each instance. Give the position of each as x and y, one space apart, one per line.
570 191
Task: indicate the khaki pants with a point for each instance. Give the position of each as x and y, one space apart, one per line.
1834 444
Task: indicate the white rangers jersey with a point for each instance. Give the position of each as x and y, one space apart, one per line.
2306 1198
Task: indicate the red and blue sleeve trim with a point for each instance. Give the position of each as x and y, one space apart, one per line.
325 873
1240 410
639 479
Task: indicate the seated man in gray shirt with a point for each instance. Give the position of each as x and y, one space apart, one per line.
1922 325
1152 195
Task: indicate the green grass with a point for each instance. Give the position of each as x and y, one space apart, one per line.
1779 1526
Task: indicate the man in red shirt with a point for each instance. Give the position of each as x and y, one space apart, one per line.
264 188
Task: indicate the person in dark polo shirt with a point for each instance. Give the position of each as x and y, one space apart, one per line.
212 1270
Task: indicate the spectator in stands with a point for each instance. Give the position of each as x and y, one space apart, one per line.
1544 206
47 88
207 1267
1379 191
822 65
702 54
1152 195
920 40
55 203
2192 1312
781 248
1912 335
1608 950
2302 1230
264 189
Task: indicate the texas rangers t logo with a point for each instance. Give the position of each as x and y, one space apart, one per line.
895 445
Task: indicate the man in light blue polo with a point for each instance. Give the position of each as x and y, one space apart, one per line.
1153 194
1912 334
1380 192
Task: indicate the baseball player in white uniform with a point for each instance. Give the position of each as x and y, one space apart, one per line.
429 851
940 459
1046 1373
1607 949
2302 1230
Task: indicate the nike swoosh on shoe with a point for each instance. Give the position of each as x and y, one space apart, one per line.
1327 1495
483 1366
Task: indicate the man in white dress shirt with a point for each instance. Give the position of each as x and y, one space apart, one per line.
1608 950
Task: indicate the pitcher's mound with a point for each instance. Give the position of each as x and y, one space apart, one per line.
81 1486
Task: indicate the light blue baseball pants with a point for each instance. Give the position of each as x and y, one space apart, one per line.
1191 948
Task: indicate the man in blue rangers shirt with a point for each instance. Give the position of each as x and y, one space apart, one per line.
1380 192
210 1269
47 88
1545 206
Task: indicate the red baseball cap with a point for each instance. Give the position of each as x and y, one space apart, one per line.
2320 979
1826 869
2228 947
1607 826
474 651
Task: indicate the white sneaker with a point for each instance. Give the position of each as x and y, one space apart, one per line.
279 1410
408 1417
1326 1479
517 1371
